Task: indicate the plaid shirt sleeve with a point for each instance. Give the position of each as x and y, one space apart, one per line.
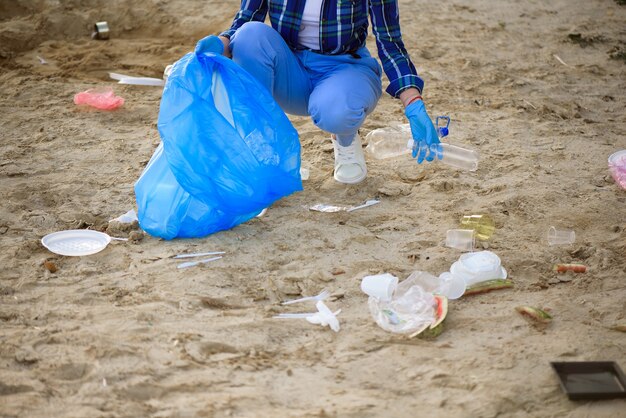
400 71
250 10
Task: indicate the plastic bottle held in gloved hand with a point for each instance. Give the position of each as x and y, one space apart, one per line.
395 141
389 142
452 155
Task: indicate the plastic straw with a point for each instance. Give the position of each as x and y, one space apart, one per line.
195 263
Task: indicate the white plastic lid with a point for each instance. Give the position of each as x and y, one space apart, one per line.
479 262
479 266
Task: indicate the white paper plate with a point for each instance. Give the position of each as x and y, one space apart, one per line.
76 242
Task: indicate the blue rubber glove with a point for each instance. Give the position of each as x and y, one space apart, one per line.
425 138
210 44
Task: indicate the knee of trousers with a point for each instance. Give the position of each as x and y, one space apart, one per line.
336 117
249 38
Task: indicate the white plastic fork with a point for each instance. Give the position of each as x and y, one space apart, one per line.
324 316
368 203
324 294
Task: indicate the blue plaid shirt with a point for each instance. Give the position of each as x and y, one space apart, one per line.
343 29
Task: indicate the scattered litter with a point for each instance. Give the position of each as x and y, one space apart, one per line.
262 213
102 98
560 60
77 242
324 294
591 380
101 31
367 203
195 263
561 236
461 239
304 173
104 382
478 267
411 310
199 254
535 314
127 218
380 286
483 225
42 61
576 268
324 316
141 81
617 167
167 71
322 207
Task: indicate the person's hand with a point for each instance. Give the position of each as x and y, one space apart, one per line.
210 44
425 138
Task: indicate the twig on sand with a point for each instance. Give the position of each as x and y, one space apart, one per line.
529 104
560 60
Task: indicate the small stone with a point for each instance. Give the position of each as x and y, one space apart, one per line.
554 280
337 271
50 266
26 355
565 278
135 236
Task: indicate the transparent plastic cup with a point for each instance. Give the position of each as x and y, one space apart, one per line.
451 286
461 239
380 286
617 167
483 225
561 236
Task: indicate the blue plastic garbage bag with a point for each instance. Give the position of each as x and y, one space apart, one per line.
228 151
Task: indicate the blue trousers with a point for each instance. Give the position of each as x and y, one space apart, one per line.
337 91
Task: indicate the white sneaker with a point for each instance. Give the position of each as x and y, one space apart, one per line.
350 165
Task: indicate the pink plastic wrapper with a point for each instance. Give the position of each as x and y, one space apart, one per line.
103 99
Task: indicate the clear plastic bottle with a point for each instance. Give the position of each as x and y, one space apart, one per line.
395 141
389 142
464 159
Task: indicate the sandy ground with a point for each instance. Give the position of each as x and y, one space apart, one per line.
537 87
